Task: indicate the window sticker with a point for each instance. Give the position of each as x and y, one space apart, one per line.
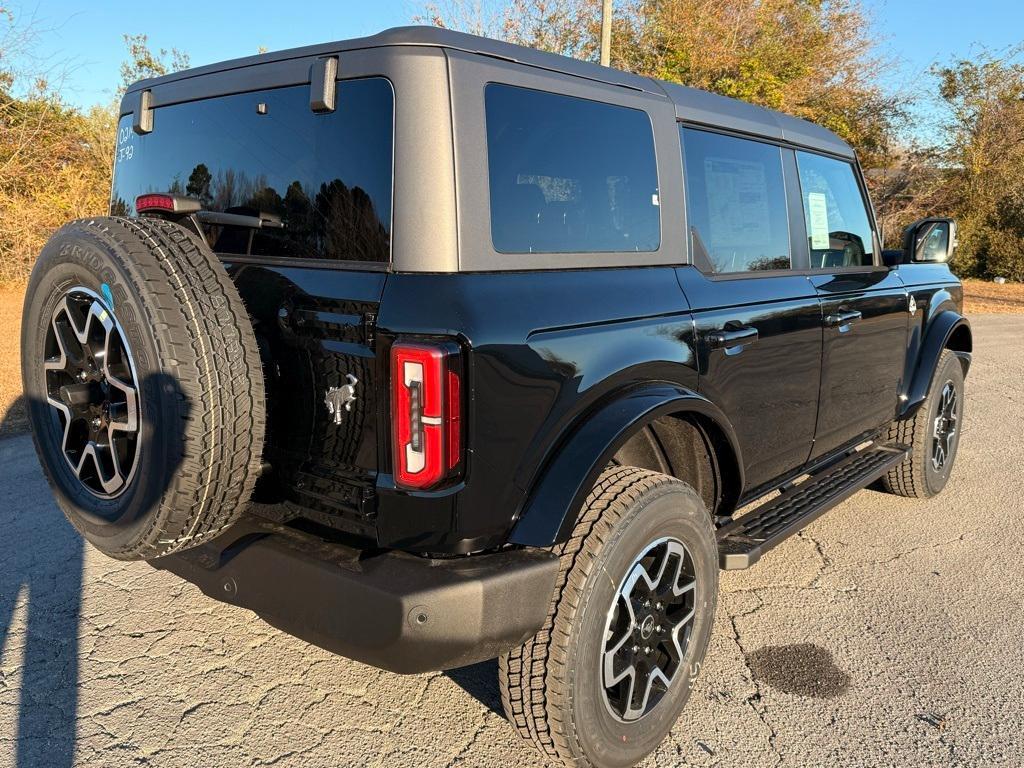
817 212
737 195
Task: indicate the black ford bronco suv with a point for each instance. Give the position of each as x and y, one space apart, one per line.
430 349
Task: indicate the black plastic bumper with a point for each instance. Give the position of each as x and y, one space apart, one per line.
395 611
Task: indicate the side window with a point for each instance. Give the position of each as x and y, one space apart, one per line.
569 175
838 228
735 202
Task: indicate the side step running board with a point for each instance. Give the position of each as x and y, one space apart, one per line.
742 541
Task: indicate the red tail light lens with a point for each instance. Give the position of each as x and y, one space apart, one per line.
426 414
158 201
154 203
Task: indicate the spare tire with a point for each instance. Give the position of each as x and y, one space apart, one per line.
144 385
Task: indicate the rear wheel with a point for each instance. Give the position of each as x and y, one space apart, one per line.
933 435
144 384
605 679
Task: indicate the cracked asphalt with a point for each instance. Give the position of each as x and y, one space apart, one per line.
886 634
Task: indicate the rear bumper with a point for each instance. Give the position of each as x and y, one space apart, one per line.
395 611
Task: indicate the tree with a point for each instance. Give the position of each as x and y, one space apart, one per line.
55 159
198 185
915 184
811 58
143 62
984 150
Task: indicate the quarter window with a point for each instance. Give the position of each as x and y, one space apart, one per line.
838 228
569 175
736 203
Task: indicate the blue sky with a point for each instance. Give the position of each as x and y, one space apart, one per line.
84 36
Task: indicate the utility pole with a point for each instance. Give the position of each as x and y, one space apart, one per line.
606 33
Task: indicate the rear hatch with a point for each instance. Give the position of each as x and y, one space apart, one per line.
298 205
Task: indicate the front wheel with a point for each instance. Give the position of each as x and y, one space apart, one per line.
605 679
932 434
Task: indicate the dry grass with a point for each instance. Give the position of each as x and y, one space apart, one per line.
12 408
981 296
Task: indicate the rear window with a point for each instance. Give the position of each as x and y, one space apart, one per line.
324 180
569 175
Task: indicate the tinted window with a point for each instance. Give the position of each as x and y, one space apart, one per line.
736 203
838 228
569 175
325 178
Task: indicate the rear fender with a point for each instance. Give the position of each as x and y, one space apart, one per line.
947 330
556 499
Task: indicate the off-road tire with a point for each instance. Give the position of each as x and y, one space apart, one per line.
199 381
916 477
548 685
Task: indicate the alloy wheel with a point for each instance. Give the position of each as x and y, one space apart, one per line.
944 429
648 629
92 388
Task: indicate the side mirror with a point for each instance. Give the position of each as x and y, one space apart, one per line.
931 241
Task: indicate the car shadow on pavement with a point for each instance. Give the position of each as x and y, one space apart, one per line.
481 682
41 558
41 564
15 421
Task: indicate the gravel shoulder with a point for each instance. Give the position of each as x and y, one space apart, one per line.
13 419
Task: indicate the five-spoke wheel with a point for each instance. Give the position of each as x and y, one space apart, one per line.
606 677
92 386
944 426
648 629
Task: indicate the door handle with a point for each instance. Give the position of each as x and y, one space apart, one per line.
732 338
842 317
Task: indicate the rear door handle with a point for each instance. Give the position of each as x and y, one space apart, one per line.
842 317
732 338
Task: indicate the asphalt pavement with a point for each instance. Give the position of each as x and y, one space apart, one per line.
886 634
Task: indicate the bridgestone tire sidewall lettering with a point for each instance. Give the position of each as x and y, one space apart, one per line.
202 420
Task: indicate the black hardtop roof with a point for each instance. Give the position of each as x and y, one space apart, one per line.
691 104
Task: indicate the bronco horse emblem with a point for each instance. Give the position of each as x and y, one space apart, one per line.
341 398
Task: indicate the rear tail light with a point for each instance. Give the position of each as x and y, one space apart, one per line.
426 405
